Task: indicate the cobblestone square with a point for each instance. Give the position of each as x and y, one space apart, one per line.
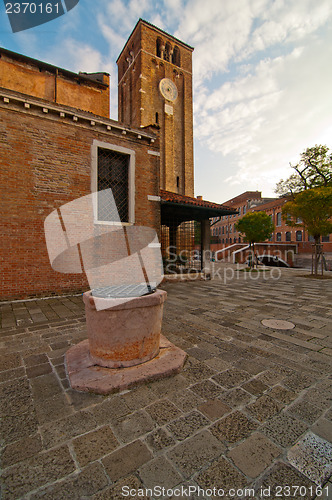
231 419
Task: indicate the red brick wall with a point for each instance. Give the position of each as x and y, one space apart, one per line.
272 208
140 101
46 162
24 76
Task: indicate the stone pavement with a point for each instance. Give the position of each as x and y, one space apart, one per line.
251 409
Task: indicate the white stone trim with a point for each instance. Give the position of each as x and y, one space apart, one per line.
73 115
153 198
153 153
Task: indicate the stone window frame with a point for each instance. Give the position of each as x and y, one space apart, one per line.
131 177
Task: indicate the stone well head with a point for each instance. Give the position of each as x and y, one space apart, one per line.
124 334
124 345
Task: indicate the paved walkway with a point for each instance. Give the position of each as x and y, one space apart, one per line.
249 412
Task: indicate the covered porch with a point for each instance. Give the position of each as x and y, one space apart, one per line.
185 223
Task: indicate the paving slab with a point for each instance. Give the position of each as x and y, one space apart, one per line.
233 427
194 453
254 454
284 429
161 470
222 475
312 456
126 460
282 481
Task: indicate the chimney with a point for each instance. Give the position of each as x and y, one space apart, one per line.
199 197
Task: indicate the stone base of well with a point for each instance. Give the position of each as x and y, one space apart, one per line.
84 375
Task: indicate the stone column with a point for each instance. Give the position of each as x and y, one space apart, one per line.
205 247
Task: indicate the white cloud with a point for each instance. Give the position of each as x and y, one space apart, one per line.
79 57
262 86
286 22
218 31
115 40
124 15
260 122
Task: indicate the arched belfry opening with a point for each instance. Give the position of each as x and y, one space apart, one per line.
159 47
168 52
176 56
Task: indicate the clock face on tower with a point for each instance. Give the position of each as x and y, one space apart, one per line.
168 89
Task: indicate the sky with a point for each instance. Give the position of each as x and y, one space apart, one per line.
262 76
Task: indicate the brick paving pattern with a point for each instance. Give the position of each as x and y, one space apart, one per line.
246 411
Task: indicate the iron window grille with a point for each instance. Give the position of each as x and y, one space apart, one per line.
113 172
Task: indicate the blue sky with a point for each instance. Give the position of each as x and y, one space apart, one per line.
262 76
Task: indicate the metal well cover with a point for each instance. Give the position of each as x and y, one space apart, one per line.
122 291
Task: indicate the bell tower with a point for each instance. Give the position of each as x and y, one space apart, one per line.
155 88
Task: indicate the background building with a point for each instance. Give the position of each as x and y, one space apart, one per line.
224 233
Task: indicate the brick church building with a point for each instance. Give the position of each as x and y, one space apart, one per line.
58 144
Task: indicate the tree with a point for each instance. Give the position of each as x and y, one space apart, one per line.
313 170
314 208
255 227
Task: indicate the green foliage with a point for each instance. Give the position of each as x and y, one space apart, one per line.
314 207
313 170
255 226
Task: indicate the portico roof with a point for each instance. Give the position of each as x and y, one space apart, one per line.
184 208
